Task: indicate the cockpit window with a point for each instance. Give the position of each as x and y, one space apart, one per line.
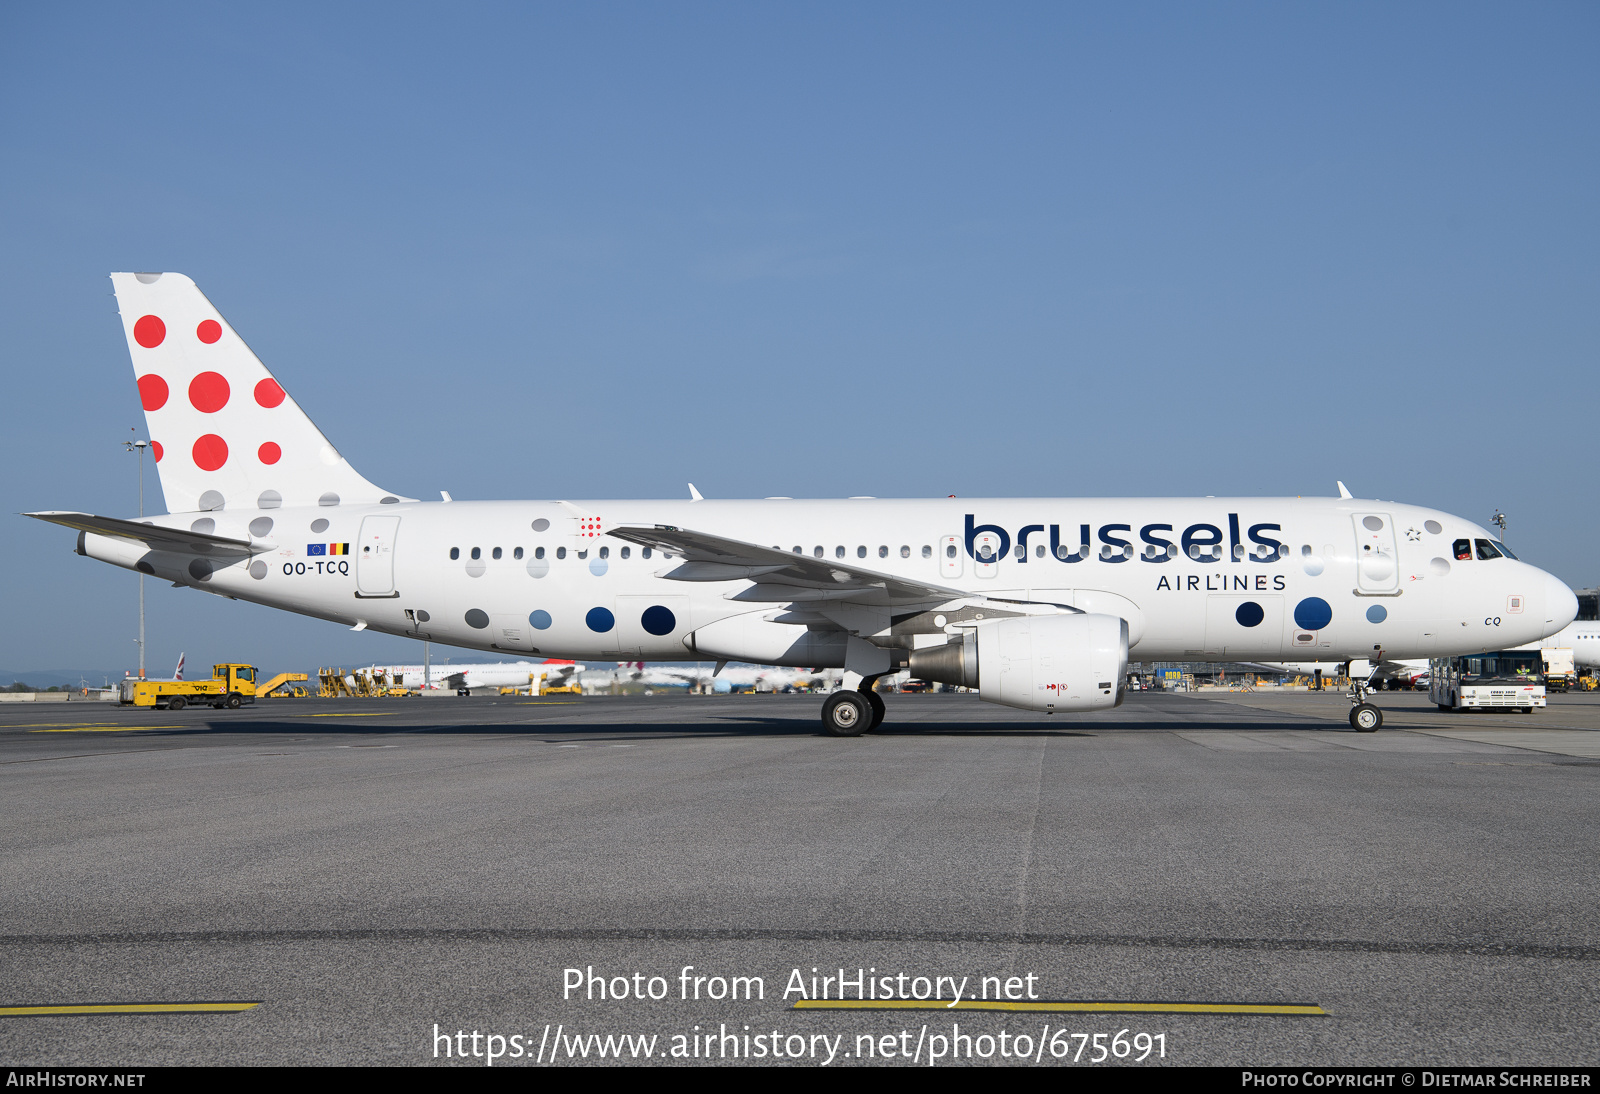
1463 550
1486 549
1504 549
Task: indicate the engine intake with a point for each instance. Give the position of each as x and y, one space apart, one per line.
1052 663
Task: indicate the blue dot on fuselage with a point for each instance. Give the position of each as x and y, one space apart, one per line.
1249 614
659 620
540 620
1377 613
1312 614
600 620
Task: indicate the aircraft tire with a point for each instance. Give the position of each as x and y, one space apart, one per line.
1366 718
175 703
234 702
876 702
846 714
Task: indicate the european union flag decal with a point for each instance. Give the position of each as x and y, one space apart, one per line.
316 549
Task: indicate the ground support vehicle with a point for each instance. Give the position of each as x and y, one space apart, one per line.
1559 670
230 686
1500 680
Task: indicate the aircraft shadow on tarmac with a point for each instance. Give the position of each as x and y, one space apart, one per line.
736 726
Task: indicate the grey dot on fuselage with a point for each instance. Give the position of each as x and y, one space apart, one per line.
330 498
269 499
205 526
210 500
261 526
319 525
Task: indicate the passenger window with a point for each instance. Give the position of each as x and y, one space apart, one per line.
817 551
605 552
561 552
950 550
798 551
838 552
861 552
626 551
645 553
1038 551
1486 550
455 553
1022 552
476 553
538 552
584 553
517 553
927 552
905 552
1463 550
883 552
497 554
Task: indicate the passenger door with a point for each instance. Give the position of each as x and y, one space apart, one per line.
375 556
1377 564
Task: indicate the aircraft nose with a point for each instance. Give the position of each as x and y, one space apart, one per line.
1560 604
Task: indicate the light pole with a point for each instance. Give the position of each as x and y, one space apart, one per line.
136 445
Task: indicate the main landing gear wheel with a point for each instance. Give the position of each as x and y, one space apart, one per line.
846 714
1366 718
876 702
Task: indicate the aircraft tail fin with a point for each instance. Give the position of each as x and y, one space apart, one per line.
177 673
224 432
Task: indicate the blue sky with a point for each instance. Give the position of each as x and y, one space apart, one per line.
895 249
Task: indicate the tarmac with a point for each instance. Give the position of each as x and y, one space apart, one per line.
356 879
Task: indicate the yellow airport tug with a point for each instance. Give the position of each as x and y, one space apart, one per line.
230 686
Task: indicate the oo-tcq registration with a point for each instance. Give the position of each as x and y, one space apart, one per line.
1038 603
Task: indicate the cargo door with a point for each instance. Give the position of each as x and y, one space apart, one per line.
1377 564
1244 627
655 625
375 556
510 632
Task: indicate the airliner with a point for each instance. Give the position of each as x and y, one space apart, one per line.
494 674
1037 603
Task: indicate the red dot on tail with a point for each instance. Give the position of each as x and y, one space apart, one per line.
152 391
149 331
208 392
210 452
208 331
155 446
270 453
268 393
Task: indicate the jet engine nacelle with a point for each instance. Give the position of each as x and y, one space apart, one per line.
1053 663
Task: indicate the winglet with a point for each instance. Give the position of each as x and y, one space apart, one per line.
695 495
1344 491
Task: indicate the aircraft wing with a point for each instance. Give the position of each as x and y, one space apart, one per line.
779 576
151 535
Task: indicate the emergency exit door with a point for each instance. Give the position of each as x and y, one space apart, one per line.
375 556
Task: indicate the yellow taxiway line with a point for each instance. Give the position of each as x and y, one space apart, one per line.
106 729
1056 1006
125 1008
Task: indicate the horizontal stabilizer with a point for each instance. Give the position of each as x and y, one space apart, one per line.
151 535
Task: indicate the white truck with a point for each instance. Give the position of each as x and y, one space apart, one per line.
1501 680
1559 668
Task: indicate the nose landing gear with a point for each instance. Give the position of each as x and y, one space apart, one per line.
1364 717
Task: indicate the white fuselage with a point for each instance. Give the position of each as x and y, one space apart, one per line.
1330 592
